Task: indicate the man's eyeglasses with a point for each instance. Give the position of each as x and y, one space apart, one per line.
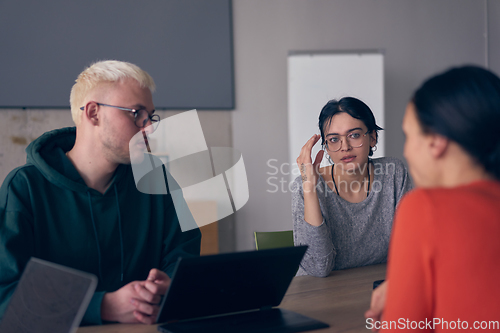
141 116
353 139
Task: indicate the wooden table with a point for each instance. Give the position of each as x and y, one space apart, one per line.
340 300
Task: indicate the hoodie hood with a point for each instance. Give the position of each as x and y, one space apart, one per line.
47 154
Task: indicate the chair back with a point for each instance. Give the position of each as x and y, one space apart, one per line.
273 239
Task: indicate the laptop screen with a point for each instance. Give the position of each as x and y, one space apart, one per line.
232 282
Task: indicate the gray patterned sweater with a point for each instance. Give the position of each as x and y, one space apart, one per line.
352 234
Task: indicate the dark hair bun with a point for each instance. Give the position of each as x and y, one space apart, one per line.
463 104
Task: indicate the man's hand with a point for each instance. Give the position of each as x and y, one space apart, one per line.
136 302
377 303
157 282
155 286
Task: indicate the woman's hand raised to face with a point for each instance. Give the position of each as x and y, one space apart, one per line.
309 170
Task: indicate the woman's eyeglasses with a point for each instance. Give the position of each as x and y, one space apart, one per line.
353 139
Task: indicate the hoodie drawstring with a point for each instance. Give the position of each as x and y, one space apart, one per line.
121 233
95 235
122 261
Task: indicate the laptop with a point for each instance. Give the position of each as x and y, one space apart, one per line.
48 298
234 292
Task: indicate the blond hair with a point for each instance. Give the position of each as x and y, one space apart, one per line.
101 72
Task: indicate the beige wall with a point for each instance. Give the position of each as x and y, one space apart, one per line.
19 127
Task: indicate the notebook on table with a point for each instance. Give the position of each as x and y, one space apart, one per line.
48 298
234 292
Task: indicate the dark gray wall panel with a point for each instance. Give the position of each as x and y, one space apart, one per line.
184 44
494 35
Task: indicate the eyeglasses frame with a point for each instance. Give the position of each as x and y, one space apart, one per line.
346 142
152 118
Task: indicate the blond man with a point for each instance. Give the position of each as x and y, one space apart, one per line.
75 202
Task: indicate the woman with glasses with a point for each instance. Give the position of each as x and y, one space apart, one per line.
443 268
344 211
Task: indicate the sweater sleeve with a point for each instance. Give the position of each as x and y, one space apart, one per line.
405 183
320 256
92 315
16 248
410 267
16 237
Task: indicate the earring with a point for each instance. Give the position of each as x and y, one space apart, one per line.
374 148
328 158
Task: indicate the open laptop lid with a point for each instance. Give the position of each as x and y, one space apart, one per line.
232 282
48 298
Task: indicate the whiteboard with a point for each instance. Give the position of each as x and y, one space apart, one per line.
316 78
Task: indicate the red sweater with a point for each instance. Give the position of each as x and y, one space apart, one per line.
444 259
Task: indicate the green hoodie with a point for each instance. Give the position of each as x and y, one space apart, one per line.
48 212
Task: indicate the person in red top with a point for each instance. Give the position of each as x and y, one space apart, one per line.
443 267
